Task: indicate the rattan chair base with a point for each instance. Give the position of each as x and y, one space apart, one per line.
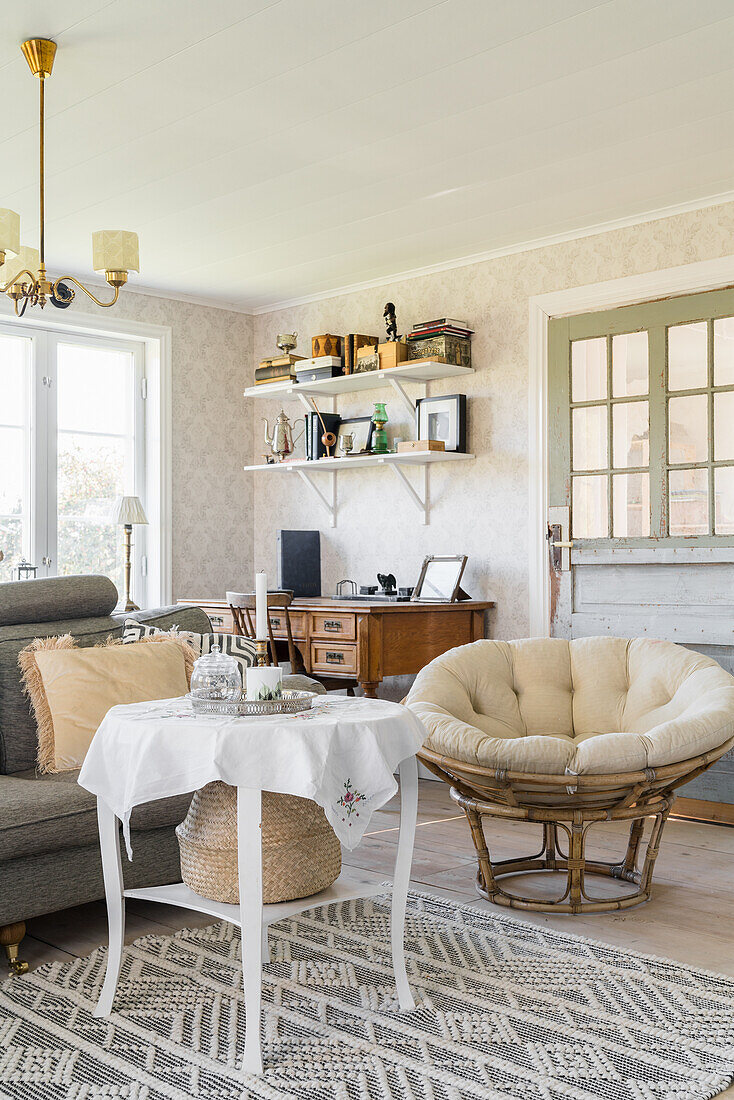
569 805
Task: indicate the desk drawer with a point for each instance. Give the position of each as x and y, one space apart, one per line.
333 657
277 623
221 620
335 625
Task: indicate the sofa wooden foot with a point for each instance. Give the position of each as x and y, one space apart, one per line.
10 938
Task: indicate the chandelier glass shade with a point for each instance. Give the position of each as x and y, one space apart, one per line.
22 269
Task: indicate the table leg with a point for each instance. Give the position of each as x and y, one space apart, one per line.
249 862
109 840
401 880
369 688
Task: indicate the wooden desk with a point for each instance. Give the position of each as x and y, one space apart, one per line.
368 641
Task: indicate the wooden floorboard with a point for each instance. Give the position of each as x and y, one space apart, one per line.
688 918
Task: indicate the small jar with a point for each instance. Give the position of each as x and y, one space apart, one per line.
216 676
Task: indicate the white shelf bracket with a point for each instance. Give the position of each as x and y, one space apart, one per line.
329 504
421 502
405 397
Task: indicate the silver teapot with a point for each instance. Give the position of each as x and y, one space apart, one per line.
281 439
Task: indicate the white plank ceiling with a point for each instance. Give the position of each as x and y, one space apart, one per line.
269 149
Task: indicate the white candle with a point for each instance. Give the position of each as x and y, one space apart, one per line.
261 606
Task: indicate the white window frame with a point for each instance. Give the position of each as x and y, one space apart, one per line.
151 346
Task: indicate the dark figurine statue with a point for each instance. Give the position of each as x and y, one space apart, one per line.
390 321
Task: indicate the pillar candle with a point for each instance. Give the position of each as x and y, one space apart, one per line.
261 606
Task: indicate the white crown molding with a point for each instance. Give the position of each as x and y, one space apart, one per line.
497 253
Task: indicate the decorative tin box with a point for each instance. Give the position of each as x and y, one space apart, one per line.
452 349
326 345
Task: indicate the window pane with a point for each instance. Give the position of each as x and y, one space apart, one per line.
689 502
631 439
687 361
590 513
15 364
589 370
723 426
590 438
688 428
629 364
95 456
724 500
724 351
631 505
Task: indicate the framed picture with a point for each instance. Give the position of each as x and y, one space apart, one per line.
354 435
442 418
440 579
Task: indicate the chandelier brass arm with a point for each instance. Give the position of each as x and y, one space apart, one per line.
115 252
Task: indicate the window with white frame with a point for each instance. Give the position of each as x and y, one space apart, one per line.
72 440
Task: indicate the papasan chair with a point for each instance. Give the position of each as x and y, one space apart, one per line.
568 734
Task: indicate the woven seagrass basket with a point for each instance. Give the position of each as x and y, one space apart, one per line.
301 854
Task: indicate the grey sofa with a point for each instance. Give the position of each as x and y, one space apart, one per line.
49 857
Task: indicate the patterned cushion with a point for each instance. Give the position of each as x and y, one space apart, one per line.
242 649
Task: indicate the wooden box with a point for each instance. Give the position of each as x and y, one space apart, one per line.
392 353
421 445
449 349
325 345
353 341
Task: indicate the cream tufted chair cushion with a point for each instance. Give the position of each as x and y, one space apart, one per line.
588 706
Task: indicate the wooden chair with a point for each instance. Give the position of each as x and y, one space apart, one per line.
242 606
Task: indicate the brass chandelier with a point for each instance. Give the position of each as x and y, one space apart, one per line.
114 251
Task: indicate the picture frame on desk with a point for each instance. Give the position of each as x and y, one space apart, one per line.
440 579
442 418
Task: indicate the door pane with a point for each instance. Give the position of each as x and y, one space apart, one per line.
688 428
15 504
724 351
590 513
630 506
687 357
689 502
95 456
629 364
589 370
724 500
631 434
723 426
590 438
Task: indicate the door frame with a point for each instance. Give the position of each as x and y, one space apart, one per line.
629 290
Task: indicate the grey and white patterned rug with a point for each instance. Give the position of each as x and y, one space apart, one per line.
505 1009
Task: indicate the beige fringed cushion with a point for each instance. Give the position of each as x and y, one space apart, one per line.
586 706
71 689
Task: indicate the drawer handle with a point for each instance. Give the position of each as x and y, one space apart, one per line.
216 620
275 622
332 624
334 658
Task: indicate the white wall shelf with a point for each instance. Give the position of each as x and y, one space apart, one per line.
309 472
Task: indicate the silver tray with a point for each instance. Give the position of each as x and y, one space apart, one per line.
290 702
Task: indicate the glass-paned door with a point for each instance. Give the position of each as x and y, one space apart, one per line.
15 451
641 488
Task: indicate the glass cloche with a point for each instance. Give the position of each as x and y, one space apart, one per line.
216 676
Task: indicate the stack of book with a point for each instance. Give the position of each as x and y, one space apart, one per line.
281 368
444 340
444 326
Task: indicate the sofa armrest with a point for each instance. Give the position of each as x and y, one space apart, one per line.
164 618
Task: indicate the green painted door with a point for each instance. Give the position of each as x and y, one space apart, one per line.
641 519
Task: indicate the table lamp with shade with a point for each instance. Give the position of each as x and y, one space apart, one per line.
127 511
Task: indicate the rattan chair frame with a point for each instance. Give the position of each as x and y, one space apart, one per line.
569 805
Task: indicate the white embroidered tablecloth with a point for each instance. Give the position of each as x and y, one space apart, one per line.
341 754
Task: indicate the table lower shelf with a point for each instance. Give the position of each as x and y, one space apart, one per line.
347 887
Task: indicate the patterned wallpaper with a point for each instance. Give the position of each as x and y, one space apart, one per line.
211 351
478 508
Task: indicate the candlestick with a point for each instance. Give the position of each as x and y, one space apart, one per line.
261 605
